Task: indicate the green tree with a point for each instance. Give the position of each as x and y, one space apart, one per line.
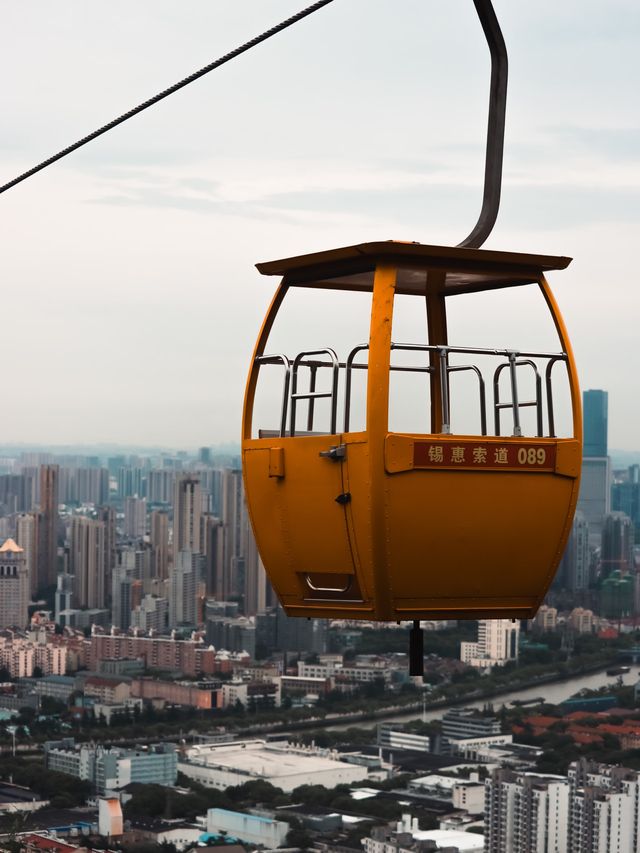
300 838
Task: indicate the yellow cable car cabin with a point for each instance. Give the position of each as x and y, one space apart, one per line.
462 509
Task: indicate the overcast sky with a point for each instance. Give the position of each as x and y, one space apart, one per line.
130 301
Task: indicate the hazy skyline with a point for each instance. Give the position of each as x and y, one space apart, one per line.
131 303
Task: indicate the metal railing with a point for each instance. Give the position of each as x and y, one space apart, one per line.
514 360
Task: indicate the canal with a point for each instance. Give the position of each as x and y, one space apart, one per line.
554 693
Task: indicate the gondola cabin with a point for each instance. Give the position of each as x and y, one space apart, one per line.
425 470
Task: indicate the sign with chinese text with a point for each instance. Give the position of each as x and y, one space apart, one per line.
484 456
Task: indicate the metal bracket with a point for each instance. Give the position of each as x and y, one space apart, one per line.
495 127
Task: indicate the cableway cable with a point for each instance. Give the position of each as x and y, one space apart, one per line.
309 10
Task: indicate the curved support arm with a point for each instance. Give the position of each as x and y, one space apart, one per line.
495 127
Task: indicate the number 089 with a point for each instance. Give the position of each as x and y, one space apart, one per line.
532 456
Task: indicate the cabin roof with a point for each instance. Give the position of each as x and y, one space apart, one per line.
446 268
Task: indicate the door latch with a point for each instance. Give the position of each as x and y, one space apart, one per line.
337 453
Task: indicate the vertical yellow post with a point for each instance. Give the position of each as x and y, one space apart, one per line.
254 369
384 285
574 383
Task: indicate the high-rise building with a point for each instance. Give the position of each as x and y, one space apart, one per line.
256 584
135 517
132 481
594 500
16 491
187 510
574 570
32 475
160 485
595 486
48 526
605 808
595 417
107 515
233 516
63 599
27 539
277 631
184 585
212 539
497 644
526 813
625 496
233 635
87 561
210 485
205 455
92 485
617 544
121 598
151 615
159 538
14 586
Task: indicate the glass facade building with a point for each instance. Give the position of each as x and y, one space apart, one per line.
595 404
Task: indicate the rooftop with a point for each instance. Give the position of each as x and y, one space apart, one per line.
464 841
467 270
257 758
10 546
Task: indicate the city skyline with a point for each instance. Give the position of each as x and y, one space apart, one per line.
129 266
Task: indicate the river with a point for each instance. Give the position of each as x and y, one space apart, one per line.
553 693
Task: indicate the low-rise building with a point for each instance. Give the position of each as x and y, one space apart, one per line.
160 832
21 656
466 795
204 695
295 685
16 798
406 837
249 828
285 766
58 687
108 691
110 821
110 768
465 723
188 657
581 620
393 737
112 712
546 619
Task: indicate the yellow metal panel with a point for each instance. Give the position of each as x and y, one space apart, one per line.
569 458
483 538
300 529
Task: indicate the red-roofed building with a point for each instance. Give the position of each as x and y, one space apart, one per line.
584 737
35 841
581 715
540 724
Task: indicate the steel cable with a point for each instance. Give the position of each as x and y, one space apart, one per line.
166 92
